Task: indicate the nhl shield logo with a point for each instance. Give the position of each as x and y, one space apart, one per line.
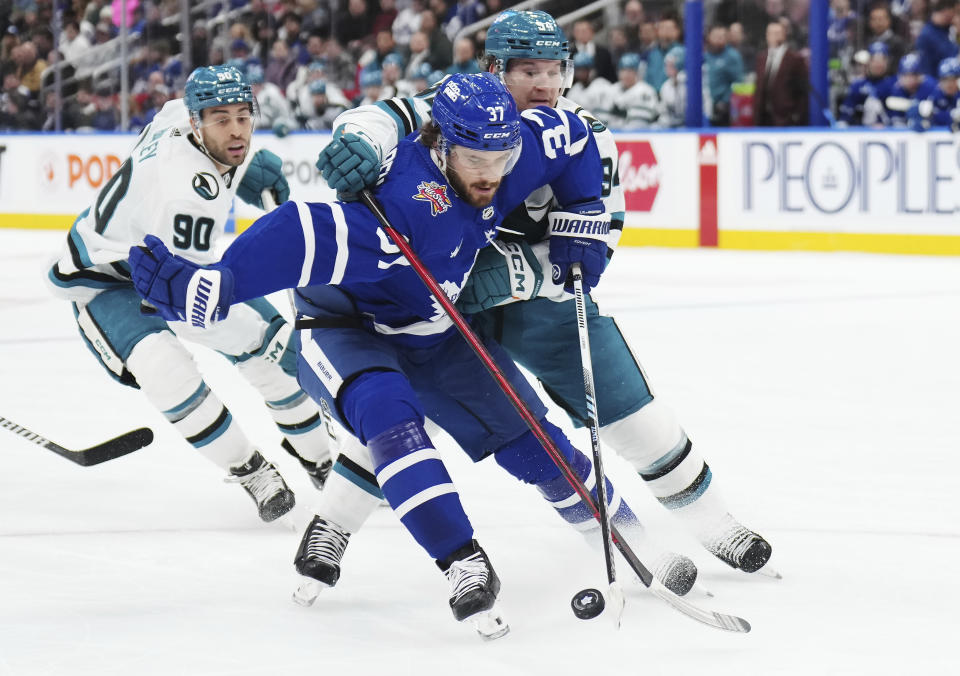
435 194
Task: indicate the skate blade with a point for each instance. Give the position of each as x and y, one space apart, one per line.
307 592
767 571
490 624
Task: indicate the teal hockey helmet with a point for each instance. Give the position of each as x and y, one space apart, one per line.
215 86
528 35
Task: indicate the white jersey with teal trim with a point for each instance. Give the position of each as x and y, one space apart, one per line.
384 123
167 187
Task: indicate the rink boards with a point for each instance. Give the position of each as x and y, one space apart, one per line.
880 191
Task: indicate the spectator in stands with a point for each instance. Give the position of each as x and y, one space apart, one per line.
633 18
617 42
16 108
292 25
407 23
73 44
735 39
11 39
630 103
370 85
275 111
668 37
29 66
353 24
391 72
934 43
419 53
383 20
880 29
321 112
673 92
441 51
281 67
384 47
106 116
876 85
340 67
583 41
724 66
464 57
782 80
415 81
589 89
464 13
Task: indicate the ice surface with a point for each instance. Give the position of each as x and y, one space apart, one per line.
822 389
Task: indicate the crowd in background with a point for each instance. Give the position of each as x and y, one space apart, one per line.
308 60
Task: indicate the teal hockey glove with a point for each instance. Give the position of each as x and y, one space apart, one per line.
349 163
265 172
503 273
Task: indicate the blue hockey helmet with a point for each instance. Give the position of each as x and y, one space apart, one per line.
526 35
910 64
629 61
878 48
371 77
214 86
476 111
582 60
949 68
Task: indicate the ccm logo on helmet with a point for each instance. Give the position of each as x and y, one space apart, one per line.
497 134
548 43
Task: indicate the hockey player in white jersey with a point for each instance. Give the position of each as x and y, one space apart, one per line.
178 183
630 102
539 332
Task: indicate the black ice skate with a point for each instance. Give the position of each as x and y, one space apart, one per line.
318 558
318 472
739 547
265 485
474 586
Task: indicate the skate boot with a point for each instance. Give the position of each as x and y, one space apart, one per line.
265 485
318 472
318 559
738 546
474 586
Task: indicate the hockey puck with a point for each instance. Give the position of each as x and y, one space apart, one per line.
587 603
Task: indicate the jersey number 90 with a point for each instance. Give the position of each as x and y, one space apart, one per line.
190 234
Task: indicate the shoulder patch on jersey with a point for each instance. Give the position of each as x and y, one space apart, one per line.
435 194
206 185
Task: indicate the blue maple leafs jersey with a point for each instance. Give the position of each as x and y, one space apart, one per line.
302 245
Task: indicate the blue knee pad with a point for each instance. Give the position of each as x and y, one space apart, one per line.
415 482
526 459
377 401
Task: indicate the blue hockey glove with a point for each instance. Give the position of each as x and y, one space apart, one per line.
265 171
179 289
579 235
503 273
349 163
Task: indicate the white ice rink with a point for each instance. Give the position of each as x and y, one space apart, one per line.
821 388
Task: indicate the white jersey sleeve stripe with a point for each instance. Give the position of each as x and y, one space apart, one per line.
306 224
343 249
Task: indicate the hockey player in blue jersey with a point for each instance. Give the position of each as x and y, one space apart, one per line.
528 51
874 85
378 349
940 108
178 184
912 85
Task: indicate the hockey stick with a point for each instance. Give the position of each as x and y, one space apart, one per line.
108 450
714 619
614 592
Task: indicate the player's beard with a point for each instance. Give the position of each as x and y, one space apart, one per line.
218 152
468 192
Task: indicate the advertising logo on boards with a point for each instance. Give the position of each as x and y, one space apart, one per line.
639 174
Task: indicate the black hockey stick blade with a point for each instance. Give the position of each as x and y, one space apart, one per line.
108 450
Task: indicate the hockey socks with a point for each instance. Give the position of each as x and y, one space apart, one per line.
415 482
